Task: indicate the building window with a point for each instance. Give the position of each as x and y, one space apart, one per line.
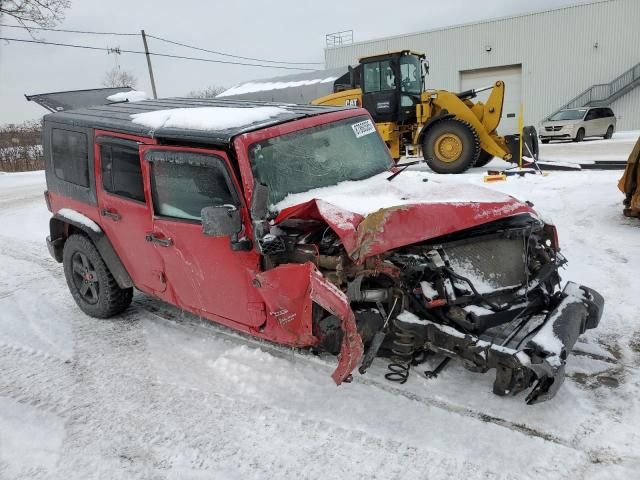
121 172
69 154
181 188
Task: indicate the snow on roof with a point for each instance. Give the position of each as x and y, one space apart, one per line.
130 96
410 187
206 118
257 86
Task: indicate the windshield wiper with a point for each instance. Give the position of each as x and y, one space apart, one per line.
403 167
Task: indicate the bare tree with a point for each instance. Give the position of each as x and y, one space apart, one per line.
116 77
209 92
35 13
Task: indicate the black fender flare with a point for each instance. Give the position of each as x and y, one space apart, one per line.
59 231
432 121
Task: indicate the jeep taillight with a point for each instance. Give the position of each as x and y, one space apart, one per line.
47 200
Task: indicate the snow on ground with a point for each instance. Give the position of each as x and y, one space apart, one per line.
206 118
156 393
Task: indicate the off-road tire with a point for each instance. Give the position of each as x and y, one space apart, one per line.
483 159
609 134
579 135
109 298
470 146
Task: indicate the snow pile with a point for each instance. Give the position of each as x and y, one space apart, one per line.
74 216
251 87
206 118
130 96
410 187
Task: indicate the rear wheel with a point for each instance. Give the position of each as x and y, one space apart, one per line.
483 159
609 133
451 146
579 135
90 282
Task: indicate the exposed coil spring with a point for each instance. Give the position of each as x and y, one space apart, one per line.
402 354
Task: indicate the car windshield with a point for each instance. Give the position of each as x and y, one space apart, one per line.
320 156
569 115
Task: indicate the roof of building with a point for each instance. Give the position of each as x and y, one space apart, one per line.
118 117
472 23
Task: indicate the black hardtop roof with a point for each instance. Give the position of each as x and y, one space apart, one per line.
117 117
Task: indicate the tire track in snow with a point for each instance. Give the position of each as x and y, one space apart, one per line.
142 441
84 334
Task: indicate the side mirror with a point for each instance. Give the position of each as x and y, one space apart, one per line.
221 221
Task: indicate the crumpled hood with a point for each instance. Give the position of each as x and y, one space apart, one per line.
374 215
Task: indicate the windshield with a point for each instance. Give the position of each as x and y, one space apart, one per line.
569 115
320 156
410 74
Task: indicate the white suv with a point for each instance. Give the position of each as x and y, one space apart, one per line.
577 123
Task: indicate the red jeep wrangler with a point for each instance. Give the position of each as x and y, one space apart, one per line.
291 223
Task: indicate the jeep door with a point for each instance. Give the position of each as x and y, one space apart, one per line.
126 209
206 275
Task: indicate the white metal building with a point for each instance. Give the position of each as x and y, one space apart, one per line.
547 59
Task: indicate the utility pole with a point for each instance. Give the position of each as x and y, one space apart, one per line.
146 51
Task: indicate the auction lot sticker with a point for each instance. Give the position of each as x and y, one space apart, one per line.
363 128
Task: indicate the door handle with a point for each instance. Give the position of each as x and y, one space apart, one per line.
163 241
112 214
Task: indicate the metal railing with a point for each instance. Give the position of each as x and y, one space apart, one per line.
603 94
337 39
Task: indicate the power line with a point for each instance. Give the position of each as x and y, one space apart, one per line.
166 55
70 31
122 34
230 55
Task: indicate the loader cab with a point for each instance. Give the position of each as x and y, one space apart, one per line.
391 85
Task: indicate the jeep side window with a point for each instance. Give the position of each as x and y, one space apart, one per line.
181 188
121 172
69 155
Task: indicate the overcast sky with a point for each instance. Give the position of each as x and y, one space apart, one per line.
289 30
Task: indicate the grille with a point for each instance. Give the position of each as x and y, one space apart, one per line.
553 129
490 264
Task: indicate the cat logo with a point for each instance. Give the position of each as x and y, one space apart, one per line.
351 102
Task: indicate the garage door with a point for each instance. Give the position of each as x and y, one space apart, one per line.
512 78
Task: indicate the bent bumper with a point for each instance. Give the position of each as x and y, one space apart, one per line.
542 359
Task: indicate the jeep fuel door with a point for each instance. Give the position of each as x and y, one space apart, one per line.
125 210
207 274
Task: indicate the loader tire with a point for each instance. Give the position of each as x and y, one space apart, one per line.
483 159
90 282
451 146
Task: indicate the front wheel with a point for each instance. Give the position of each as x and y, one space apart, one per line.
90 282
579 135
451 146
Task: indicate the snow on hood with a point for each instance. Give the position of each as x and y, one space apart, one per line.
130 96
410 187
374 215
206 118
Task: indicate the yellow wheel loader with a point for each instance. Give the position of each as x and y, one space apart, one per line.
453 132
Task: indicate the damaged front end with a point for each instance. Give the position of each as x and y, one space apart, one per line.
489 296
